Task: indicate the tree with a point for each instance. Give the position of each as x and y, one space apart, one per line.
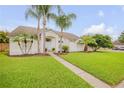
46 15
92 44
35 12
88 40
103 41
121 37
25 39
44 12
96 41
63 21
4 37
18 40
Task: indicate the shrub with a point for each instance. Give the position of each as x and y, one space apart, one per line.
45 49
65 48
53 49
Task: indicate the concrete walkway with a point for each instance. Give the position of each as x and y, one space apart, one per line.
121 85
93 81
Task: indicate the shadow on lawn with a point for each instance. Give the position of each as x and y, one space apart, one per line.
24 55
92 52
102 51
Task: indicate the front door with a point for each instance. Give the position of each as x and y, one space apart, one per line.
48 46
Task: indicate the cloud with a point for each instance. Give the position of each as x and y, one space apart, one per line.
102 29
2 28
7 28
94 29
101 13
11 27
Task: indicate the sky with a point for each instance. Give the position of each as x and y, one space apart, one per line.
91 19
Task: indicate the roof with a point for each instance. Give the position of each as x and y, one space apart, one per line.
23 30
117 43
69 36
32 31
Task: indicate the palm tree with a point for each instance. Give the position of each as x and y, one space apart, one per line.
31 40
46 15
63 21
18 39
25 39
35 12
44 12
88 41
85 41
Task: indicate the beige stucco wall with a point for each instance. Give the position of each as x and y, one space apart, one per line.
73 46
54 41
15 50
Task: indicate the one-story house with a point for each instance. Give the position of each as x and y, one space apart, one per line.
69 40
118 45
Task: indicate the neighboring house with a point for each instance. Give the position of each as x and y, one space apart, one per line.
118 45
52 40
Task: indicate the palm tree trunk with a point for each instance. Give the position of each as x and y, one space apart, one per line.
30 46
85 48
38 36
25 42
43 35
20 47
61 40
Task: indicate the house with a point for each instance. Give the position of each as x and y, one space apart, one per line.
118 45
52 40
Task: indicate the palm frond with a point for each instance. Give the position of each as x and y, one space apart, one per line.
71 16
51 16
60 11
64 21
31 13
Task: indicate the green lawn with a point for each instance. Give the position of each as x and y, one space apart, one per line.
36 71
107 66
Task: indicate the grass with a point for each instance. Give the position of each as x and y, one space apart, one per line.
107 66
36 72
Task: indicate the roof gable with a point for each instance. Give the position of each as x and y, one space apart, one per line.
32 31
23 30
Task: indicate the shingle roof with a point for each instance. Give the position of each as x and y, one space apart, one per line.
32 31
69 36
23 30
117 43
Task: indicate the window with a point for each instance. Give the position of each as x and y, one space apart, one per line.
48 39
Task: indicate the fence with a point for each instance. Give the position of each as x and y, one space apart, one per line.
4 46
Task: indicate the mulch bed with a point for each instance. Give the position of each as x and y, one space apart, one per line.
60 54
27 55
